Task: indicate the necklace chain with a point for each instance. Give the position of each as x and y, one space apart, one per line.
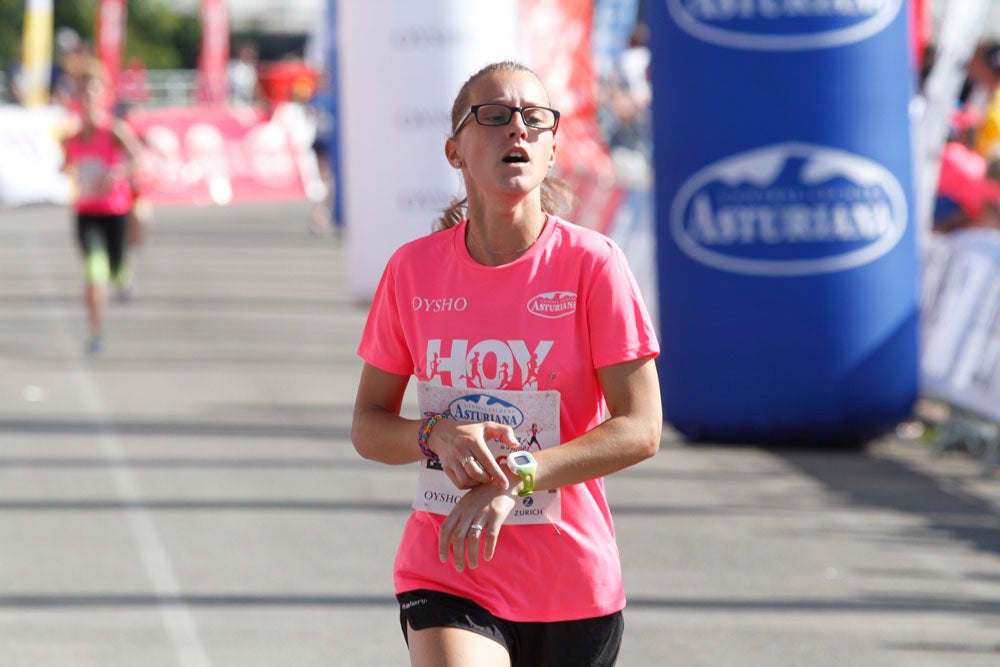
500 253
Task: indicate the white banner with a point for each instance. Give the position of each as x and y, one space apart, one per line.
401 63
960 358
31 157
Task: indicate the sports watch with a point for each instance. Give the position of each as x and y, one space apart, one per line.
523 465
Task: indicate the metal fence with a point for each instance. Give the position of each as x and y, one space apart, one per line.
164 88
170 87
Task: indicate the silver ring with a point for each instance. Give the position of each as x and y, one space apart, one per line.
467 460
475 526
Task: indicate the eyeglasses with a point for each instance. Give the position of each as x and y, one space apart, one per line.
495 115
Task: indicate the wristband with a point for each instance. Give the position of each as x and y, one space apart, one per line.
424 434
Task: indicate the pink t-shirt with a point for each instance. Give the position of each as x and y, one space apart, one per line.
95 158
566 307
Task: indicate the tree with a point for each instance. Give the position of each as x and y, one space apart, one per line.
160 37
157 35
11 23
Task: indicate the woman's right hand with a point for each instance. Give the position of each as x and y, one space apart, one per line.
475 523
464 454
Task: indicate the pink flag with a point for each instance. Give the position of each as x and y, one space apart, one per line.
214 51
110 37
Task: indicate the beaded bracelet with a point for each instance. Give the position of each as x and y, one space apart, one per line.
424 434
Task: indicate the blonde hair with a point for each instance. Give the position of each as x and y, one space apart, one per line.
556 195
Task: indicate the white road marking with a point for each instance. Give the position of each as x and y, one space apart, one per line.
175 615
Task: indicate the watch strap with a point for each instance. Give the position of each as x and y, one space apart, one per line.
527 482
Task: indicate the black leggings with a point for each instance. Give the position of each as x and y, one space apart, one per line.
96 232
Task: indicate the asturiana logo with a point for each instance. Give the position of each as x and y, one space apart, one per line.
483 407
789 210
553 305
783 25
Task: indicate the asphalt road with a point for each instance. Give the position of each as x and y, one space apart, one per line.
191 498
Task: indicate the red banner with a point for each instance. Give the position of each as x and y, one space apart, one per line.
214 51
559 34
110 37
218 155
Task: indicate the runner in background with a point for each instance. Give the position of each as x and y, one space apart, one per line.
103 158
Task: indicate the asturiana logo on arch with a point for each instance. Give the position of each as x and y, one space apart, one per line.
789 209
783 25
483 407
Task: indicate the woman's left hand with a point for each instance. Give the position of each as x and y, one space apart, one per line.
474 523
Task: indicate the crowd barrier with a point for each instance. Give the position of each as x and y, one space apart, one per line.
193 155
960 358
219 155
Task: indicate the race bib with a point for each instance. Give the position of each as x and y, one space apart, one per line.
91 175
534 416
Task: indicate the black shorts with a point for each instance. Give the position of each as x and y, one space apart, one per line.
107 231
590 642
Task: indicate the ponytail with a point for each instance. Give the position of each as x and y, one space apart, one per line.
556 195
453 215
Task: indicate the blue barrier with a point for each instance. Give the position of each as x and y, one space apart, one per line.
786 245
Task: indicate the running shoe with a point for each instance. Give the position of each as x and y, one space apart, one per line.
95 344
126 292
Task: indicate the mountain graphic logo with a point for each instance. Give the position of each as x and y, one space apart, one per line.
789 209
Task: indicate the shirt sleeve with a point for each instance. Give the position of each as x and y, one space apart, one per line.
621 329
383 341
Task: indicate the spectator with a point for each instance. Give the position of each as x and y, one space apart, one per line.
242 76
984 77
134 85
628 95
322 215
968 190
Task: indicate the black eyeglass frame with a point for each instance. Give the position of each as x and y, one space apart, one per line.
474 112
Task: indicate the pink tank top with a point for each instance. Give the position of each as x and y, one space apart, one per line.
103 187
